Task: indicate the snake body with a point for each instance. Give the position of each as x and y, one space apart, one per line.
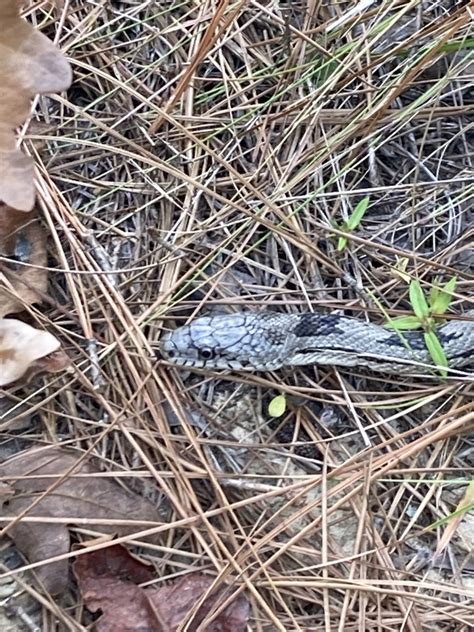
267 341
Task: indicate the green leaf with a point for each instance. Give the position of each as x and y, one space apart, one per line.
436 351
418 300
401 323
434 293
450 286
440 298
341 243
358 213
277 406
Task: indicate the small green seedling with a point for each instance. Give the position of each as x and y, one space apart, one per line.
277 406
352 223
426 311
440 297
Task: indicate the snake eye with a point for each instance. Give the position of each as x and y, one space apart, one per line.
206 354
171 353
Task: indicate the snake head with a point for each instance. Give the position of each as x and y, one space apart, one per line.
219 342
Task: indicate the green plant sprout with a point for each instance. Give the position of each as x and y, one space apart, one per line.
426 311
352 223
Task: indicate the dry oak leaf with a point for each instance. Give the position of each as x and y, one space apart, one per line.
83 499
108 582
21 346
174 602
30 64
22 241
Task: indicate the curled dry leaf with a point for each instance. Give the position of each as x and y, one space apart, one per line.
108 582
20 347
22 240
77 499
30 64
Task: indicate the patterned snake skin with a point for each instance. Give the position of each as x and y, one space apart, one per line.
268 341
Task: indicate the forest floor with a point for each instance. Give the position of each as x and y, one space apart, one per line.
206 159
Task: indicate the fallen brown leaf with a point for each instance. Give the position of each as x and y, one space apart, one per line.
22 240
17 182
20 347
175 601
30 64
108 582
89 498
125 607
114 561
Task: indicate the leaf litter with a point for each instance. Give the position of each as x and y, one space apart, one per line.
24 276
90 153
26 349
31 65
76 499
108 580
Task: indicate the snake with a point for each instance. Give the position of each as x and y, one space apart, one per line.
266 341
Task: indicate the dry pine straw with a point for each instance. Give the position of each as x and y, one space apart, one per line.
201 159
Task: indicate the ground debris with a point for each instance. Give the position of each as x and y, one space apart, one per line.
108 581
82 498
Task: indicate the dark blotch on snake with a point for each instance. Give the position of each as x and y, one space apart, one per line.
445 338
414 340
317 325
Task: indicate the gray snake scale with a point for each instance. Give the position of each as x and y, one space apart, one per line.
268 340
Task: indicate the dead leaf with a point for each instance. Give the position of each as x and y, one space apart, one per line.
89 498
108 582
22 240
20 346
114 561
124 605
17 181
175 601
30 64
